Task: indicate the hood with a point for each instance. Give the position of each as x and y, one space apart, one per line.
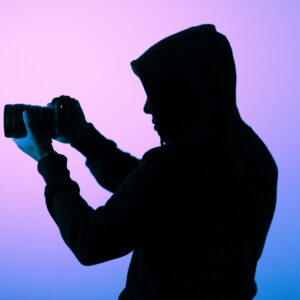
190 82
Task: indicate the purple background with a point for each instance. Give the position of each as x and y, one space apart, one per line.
83 49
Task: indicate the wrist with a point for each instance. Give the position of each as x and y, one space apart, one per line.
47 153
82 135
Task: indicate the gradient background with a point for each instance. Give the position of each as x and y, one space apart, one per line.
83 49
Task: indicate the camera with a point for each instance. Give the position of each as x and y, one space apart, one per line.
51 121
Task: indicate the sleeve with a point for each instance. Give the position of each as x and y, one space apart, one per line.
94 236
108 164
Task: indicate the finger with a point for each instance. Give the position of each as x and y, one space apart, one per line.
59 100
64 100
54 100
61 97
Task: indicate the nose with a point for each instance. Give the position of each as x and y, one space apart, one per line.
147 107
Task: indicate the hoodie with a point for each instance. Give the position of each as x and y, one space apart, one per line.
194 212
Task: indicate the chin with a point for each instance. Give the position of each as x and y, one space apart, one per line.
167 138
167 135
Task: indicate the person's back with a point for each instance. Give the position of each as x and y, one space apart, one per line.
214 203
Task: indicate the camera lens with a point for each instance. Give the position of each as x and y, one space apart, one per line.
13 120
8 128
43 118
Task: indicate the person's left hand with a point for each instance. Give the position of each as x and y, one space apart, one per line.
34 143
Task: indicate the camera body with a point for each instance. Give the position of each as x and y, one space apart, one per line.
51 121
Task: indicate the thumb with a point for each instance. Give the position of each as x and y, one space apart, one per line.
28 121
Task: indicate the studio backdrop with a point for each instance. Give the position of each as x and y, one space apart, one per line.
83 49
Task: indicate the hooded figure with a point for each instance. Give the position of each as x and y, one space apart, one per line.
196 210
190 81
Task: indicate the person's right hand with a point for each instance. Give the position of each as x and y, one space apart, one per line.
78 124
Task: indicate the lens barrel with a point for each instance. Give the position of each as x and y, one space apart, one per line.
43 118
8 126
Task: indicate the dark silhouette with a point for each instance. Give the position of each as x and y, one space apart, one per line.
196 210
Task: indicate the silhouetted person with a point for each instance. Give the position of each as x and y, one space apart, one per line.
196 210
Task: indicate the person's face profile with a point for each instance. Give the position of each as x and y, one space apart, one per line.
162 117
147 110
147 107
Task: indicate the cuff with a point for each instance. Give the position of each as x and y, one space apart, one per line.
53 168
